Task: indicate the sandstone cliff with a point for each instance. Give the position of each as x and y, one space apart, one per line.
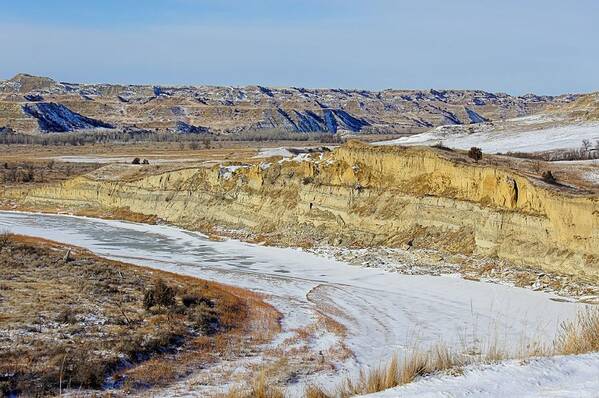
359 195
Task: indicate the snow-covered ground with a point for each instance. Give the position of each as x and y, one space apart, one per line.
290 152
522 138
270 152
383 312
592 176
563 377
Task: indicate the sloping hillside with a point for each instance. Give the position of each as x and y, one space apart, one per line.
561 126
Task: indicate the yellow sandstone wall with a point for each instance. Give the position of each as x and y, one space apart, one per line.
361 195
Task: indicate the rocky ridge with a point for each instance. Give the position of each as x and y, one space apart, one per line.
225 110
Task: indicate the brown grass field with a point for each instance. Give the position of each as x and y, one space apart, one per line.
71 320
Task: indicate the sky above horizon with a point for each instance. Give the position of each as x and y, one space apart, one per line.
540 46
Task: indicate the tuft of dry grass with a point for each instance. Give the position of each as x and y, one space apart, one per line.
260 388
581 335
415 364
442 359
313 391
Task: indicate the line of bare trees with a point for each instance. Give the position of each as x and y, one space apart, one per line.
587 151
137 135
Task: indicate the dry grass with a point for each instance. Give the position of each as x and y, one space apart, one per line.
260 388
313 391
34 171
70 323
395 373
581 335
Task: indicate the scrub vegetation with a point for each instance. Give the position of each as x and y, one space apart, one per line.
70 320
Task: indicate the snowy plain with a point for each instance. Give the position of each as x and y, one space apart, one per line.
523 138
384 313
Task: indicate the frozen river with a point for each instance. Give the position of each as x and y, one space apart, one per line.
382 312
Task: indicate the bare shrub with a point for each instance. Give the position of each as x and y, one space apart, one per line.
191 299
548 177
4 238
159 295
307 180
475 153
205 319
67 315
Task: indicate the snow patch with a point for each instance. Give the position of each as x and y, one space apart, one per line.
493 141
226 172
270 152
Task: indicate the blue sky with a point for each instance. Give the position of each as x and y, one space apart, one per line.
541 46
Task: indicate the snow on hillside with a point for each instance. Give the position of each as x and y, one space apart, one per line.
566 376
592 176
516 140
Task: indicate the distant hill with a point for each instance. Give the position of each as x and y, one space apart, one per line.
33 104
585 108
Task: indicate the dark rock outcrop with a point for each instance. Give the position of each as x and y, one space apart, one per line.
185 128
475 117
33 98
57 118
348 122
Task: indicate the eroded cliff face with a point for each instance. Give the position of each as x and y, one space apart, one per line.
359 195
